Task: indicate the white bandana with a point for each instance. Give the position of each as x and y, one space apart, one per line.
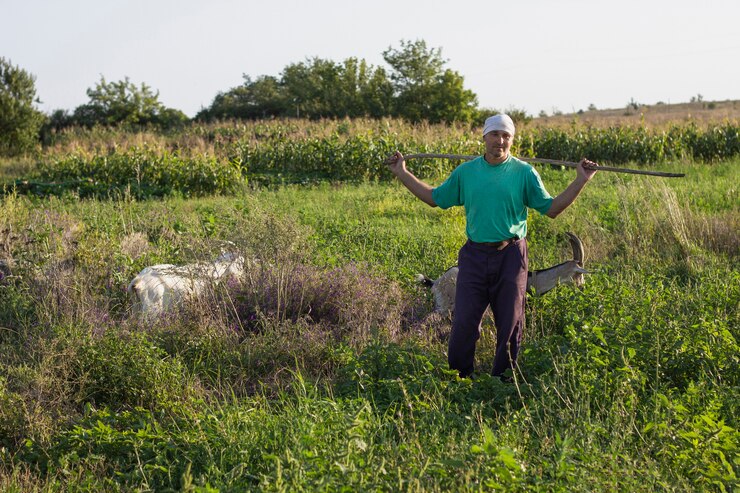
499 122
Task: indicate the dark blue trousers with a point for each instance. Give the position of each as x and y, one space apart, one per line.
488 276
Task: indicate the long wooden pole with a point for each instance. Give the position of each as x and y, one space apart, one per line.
569 164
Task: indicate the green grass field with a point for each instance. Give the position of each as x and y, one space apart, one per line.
323 370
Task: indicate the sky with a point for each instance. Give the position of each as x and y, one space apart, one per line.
535 55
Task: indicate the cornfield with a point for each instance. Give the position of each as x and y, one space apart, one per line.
213 159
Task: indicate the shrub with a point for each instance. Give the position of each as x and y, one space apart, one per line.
20 122
349 301
128 370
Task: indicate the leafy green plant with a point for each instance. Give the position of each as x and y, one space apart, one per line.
628 384
126 371
137 173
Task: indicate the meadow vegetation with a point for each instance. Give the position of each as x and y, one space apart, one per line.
323 368
660 114
216 159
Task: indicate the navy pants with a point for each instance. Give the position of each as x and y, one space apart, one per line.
488 276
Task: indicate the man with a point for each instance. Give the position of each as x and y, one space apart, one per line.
496 189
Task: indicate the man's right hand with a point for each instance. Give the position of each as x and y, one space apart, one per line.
396 163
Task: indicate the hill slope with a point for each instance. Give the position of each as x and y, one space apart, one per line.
702 112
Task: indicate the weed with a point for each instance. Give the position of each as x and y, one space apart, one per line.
321 369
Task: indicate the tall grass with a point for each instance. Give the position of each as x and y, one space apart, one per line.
322 371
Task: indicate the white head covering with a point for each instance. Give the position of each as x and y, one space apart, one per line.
499 122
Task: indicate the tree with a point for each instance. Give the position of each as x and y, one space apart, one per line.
260 98
266 97
20 121
519 116
314 89
376 93
633 104
414 64
170 118
124 103
423 89
418 88
321 88
355 77
55 122
450 101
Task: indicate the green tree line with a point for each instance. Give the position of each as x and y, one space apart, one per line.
417 87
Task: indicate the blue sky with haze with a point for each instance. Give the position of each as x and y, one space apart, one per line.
535 55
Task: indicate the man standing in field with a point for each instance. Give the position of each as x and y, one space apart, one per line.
496 190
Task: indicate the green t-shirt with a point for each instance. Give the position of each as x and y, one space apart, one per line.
496 197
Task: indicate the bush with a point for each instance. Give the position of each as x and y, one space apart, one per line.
127 371
20 122
125 103
349 301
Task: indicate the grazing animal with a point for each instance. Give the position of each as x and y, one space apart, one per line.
161 288
539 282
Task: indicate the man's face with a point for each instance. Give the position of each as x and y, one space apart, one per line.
498 144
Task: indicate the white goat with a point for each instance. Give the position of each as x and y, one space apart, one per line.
160 288
539 282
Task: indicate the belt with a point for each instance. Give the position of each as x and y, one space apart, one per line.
498 245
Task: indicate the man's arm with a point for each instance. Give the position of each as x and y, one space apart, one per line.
586 170
421 190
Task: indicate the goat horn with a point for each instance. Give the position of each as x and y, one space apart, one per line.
579 254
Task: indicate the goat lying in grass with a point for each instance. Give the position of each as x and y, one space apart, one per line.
539 282
160 288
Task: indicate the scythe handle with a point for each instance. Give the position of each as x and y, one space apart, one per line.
569 164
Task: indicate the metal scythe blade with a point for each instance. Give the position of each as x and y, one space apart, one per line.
569 164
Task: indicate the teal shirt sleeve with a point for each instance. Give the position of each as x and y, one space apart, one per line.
536 196
449 193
